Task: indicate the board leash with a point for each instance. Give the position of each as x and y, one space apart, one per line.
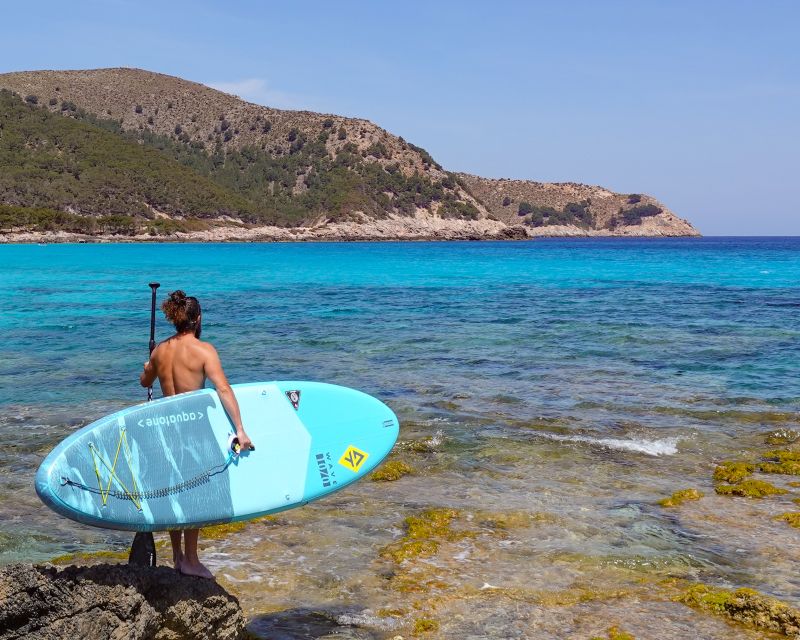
136 496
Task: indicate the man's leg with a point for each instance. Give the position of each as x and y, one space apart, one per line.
191 565
177 554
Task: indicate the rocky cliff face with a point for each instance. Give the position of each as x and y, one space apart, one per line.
503 199
114 602
319 162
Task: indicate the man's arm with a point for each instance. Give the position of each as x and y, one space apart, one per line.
148 375
214 372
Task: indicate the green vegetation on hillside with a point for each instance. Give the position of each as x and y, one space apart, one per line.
42 219
49 161
49 220
573 213
307 181
82 164
635 214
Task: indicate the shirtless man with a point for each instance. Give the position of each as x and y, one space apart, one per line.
182 363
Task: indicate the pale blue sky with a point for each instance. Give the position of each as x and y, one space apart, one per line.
696 103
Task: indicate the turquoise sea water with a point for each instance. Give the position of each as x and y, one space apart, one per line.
617 370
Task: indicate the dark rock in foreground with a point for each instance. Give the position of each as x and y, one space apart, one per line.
114 601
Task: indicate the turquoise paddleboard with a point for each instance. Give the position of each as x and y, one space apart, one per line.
169 464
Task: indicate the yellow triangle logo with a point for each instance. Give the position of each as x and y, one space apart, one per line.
353 458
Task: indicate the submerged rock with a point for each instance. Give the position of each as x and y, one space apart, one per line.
114 601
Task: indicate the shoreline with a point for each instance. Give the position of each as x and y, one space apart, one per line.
393 229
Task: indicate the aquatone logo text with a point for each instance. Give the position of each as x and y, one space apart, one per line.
172 418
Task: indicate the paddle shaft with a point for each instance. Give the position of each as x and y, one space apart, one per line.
153 287
143 548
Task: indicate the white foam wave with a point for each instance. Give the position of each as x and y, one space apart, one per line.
368 619
655 447
431 443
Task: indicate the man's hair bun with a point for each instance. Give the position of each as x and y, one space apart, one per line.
178 297
181 310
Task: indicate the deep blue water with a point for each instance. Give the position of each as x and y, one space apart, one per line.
710 316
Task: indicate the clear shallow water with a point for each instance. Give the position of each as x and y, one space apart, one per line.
581 379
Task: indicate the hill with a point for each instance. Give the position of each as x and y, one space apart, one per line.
174 155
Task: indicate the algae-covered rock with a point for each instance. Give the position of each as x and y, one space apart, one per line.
782 468
782 461
89 556
733 472
614 633
749 489
425 445
219 531
781 437
782 455
679 497
391 471
793 518
503 521
431 523
745 606
424 533
424 625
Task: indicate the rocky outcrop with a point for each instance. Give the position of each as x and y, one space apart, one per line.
108 601
502 199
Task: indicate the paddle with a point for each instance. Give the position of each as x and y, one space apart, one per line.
143 548
153 287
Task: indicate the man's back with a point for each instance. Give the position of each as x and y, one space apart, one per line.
180 364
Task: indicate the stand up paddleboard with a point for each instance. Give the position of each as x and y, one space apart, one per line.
172 464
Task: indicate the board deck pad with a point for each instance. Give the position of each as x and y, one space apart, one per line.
167 464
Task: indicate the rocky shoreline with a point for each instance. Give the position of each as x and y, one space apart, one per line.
394 228
108 601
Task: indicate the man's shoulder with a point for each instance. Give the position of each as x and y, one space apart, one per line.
157 349
207 347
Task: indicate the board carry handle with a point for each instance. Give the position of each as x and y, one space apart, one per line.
235 447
